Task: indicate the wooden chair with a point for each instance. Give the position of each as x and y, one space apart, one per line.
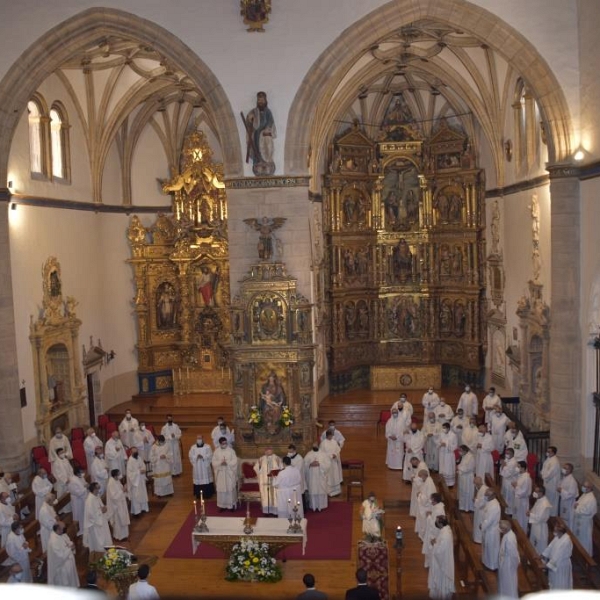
355 468
352 487
248 486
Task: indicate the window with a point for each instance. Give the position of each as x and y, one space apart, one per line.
56 144
36 142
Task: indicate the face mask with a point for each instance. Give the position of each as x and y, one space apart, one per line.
430 392
18 576
371 499
120 477
432 420
446 430
44 476
290 454
481 434
413 431
535 495
548 455
442 404
563 471
134 454
170 421
438 525
20 532
101 456
199 443
59 435
128 417
584 490
143 427
315 448
395 415
223 446
490 393
92 435
467 389
9 501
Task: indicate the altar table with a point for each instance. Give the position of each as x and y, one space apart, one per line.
225 532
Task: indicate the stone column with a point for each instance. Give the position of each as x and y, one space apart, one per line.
13 456
565 302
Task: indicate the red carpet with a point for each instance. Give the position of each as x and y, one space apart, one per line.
329 535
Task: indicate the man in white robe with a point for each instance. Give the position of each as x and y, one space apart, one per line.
513 438
91 442
96 533
337 434
62 471
41 486
441 572
316 469
99 470
458 424
136 482
468 402
424 502
172 434
508 562
200 457
431 531
161 459
8 516
116 505
78 490
550 474
404 406
334 476
225 467
431 431
62 569
447 444
222 430
480 489
490 534
298 462
490 403
127 428
497 425
416 466
288 485
466 479
538 519
370 515
266 469
59 440
18 550
522 487
395 429
114 453
414 442
48 519
509 471
568 489
429 400
557 557
586 508
143 440
484 463
470 435
141 589
443 412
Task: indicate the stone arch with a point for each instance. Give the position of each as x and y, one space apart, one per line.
48 52
309 109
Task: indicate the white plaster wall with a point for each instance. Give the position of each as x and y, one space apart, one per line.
276 61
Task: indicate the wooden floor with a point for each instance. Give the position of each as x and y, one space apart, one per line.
152 534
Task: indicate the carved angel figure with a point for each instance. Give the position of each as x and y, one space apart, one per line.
266 239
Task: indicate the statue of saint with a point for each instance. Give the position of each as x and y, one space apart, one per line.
272 401
260 133
265 228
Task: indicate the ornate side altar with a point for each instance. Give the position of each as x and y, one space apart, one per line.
181 269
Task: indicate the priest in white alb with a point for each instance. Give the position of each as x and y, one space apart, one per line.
509 471
47 519
568 489
484 463
288 484
334 477
172 434
508 562
116 504
225 465
370 515
62 471
161 459
551 475
298 462
316 465
416 466
395 429
114 452
538 519
431 531
18 550
62 569
479 503
96 532
59 441
490 534
266 468
143 441
99 470
41 486
424 502
78 489
91 442
127 428
136 482
200 457
557 557
585 510
522 486
466 483
414 442
447 444
8 516
441 571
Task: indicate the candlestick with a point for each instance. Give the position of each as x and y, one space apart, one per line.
195 509
295 497
247 509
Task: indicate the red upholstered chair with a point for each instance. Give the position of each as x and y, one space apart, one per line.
44 463
79 454
110 427
456 454
77 434
151 429
384 417
249 488
39 454
532 462
103 421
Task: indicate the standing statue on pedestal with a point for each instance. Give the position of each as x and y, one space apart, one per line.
267 242
260 133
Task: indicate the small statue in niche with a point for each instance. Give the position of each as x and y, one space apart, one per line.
392 207
255 13
460 319
267 241
457 262
445 318
402 261
55 285
166 306
260 133
272 400
207 284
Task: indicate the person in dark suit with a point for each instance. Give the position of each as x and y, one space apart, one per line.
310 593
362 591
91 582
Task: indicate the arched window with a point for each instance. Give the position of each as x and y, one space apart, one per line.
59 142
36 138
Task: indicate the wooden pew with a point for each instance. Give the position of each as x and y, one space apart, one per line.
580 555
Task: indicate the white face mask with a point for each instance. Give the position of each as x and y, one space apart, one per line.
9 501
563 471
18 576
59 435
584 490
143 427
290 454
535 495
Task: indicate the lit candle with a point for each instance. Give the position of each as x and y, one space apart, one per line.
247 509
289 507
295 497
201 502
195 509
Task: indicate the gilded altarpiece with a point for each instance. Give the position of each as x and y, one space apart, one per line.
405 220
273 359
181 274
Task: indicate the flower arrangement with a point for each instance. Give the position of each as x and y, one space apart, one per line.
250 561
255 419
287 418
113 563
